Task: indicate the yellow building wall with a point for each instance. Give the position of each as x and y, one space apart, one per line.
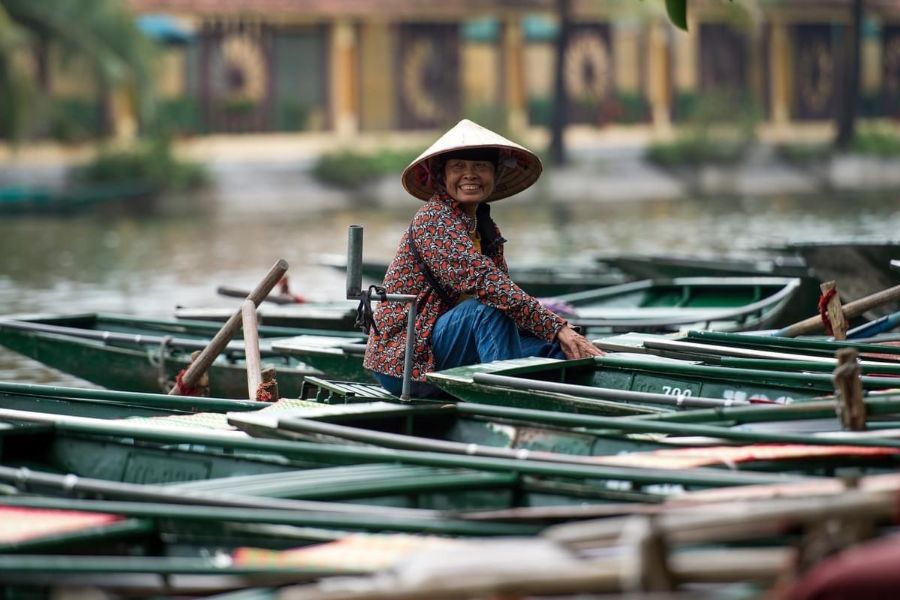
480 64
170 77
539 70
626 40
376 76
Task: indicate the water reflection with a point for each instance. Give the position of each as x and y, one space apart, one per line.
149 265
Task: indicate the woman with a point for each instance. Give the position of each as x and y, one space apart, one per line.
451 257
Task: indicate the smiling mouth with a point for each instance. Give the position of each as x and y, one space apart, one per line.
470 187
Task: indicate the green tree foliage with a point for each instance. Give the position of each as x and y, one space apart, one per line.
720 129
100 32
352 170
150 162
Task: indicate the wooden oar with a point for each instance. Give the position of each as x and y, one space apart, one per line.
251 348
851 310
873 328
220 341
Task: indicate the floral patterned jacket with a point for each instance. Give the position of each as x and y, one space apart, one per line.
440 229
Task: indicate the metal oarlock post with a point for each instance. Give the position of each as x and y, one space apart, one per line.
354 261
355 292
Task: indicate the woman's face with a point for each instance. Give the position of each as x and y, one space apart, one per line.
469 181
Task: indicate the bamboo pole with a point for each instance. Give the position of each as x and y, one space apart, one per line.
596 576
850 310
733 520
251 347
221 339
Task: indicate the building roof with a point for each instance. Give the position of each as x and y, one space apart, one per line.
336 8
464 9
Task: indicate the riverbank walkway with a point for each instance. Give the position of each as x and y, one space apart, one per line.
606 165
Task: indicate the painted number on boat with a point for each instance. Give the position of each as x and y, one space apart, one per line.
676 391
155 469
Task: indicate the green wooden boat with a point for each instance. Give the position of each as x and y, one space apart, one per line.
168 539
370 406
724 379
729 304
473 430
818 415
732 303
577 385
137 354
717 303
665 266
542 281
807 346
19 200
158 451
340 357
784 354
334 316
859 268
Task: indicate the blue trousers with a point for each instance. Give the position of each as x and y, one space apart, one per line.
472 333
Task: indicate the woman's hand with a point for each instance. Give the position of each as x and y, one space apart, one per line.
575 345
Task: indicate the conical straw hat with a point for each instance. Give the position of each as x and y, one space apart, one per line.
517 167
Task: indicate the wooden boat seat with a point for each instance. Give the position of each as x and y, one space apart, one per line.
354 481
343 392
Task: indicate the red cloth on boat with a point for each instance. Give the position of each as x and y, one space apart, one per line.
868 571
823 310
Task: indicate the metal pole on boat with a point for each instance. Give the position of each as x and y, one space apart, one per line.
354 261
355 292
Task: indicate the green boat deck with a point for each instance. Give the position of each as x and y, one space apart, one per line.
142 355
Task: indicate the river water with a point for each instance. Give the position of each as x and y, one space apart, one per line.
150 264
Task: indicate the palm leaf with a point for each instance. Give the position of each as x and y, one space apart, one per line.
102 32
677 11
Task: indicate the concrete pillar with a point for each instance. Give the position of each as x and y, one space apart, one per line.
515 96
780 69
123 114
872 67
755 67
344 97
377 76
686 48
658 76
627 54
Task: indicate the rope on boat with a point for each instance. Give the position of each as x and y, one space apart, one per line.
159 361
202 386
285 290
264 391
365 317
